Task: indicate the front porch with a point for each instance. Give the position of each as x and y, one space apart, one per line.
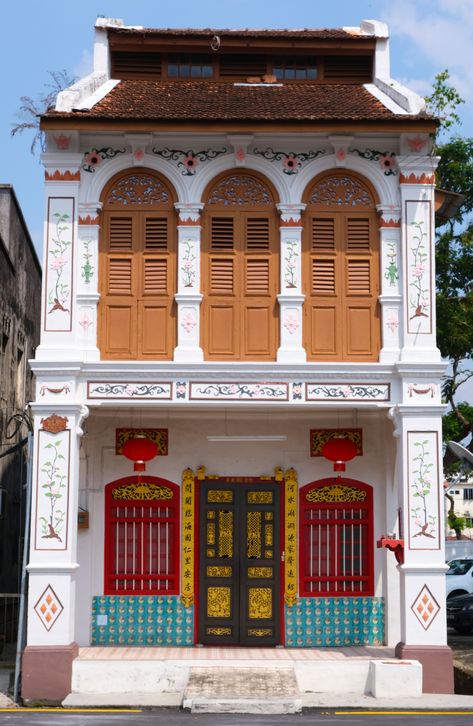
283 680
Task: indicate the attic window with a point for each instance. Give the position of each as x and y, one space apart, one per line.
295 69
190 67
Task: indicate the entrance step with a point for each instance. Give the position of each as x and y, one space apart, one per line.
242 690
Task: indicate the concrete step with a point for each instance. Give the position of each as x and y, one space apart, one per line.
243 705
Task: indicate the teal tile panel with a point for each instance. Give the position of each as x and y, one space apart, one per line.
141 620
334 621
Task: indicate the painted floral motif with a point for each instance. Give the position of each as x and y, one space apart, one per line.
180 388
421 488
392 273
290 263
386 159
86 321
297 391
55 389
62 142
129 390
59 294
94 157
188 160
291 161
87 270
189 322
54 485
236 391
418 287
188 264
419 390
348 391
416 144
291 324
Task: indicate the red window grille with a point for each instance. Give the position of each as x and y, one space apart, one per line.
142 537
336 539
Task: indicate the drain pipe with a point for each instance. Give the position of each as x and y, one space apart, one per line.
26 542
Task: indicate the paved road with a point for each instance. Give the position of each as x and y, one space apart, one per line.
174 717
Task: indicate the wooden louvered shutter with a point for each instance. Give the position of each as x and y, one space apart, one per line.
221 318
119 286
360 287
341 284
258 283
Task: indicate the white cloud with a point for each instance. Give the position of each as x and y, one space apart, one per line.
442 32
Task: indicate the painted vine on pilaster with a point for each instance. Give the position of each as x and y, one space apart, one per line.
59 255
419 307
188 266
423 490
392 272
52 494
187 563
290 264
87 271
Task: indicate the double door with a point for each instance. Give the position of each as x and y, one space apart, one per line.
240 563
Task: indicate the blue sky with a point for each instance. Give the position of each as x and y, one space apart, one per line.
38 36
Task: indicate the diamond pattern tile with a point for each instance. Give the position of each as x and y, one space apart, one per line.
48 608
425 607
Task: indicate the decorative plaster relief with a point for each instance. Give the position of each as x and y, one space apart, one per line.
239 391
94 157
414 390
56 388
419 307
87 271
386 159
423 490
52 494
348 391
291 160
425 607
86 319
48 608
126 390
59 254
392 320
180 389
417 178
188 160
62 175
291 323
62 142
297 391
189 321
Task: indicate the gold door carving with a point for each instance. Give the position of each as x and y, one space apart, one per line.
260 603
290 537
254 535
225 534
218 602
187 554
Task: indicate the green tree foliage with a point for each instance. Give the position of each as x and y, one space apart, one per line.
31 109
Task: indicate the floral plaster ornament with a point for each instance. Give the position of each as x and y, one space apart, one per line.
138 155
62 142
189 322
291 324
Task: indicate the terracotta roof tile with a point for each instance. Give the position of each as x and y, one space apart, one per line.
203 100
316 33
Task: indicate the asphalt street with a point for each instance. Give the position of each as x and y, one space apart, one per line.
175 717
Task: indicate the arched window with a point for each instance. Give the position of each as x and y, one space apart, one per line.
341 269
240 270
137 268
336 538
141 537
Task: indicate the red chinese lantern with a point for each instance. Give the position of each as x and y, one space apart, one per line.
140 450
339 450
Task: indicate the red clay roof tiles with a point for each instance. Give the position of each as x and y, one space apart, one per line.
203 100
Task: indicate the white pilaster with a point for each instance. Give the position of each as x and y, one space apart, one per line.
53 559
291 298
391 282
188 298
87 295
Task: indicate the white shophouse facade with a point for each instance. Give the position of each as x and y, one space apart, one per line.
244 287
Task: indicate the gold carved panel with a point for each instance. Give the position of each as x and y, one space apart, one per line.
216 571
142 491
336 493
260 632
218 631
254 572
218 602
210 533
253 521
224 496
290 537
263 497
210 553
188 533
260 603
225 533
268 535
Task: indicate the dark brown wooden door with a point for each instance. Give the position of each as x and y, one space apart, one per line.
240 555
